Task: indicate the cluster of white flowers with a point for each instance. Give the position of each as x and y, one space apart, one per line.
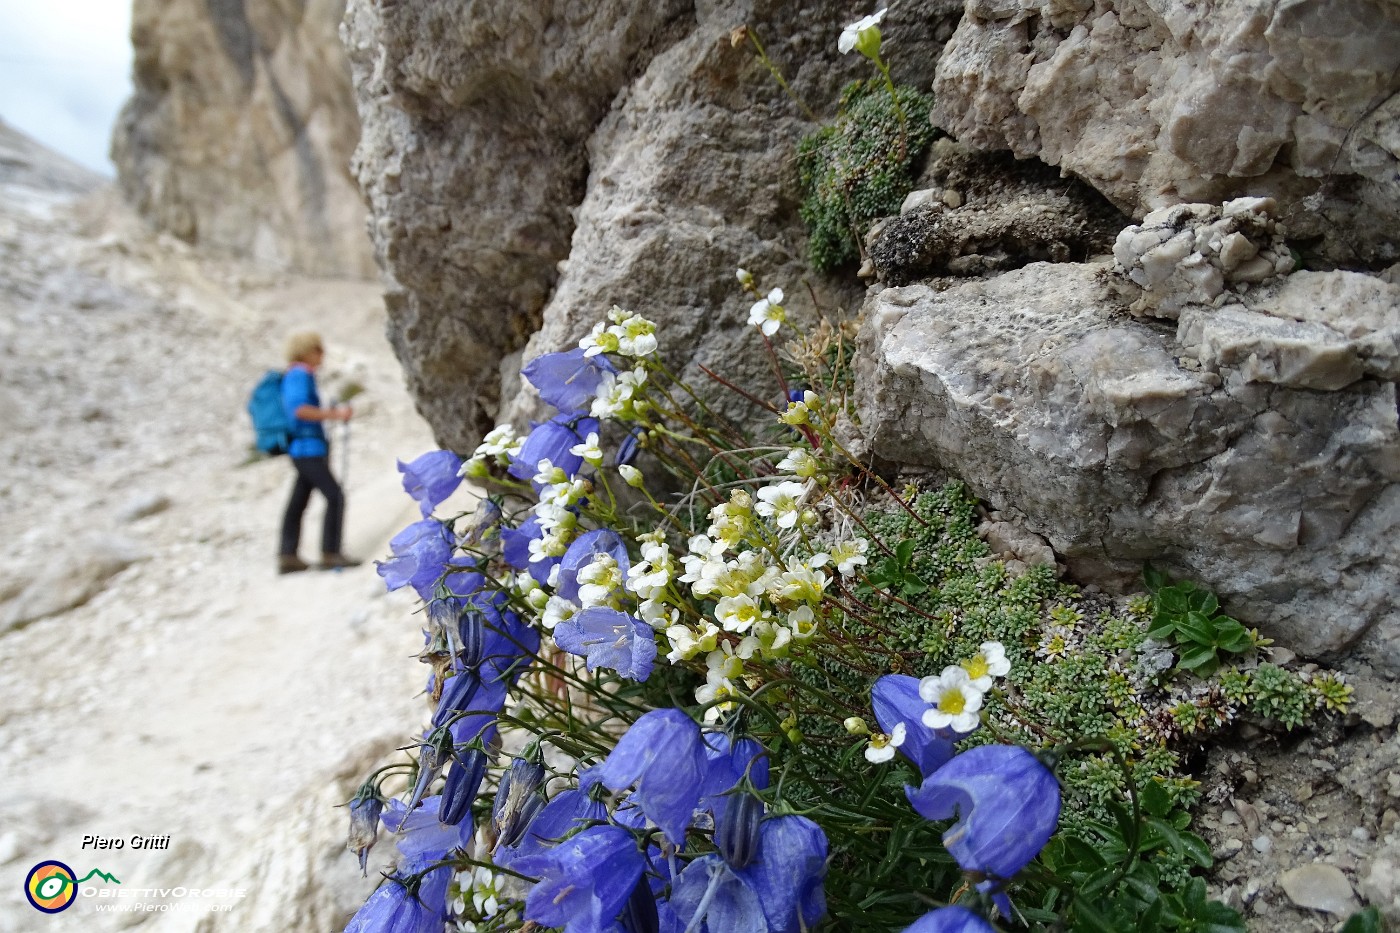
628 335
767 596
618 397
478 896
498 446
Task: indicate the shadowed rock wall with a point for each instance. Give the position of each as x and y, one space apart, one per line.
528 166
239 135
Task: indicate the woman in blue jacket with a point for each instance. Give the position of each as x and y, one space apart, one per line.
310 455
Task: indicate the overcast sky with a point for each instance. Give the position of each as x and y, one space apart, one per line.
65 71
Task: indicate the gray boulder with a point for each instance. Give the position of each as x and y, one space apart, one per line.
1156 103
1121 441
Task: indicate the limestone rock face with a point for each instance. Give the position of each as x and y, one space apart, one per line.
240 132
529 165
1156 103
1226 452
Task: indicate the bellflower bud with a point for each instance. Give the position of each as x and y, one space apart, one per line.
517 800
736 829
471 632
364 823
463 783
432 755
639 916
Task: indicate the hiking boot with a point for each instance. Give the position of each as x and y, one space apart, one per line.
290 563
335 562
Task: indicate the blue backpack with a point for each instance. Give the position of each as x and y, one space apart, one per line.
273 432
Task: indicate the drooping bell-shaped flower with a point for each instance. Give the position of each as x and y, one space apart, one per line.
1007 806
364 824
422 839
431 478
397 908
737 829
640 913
582 552
950 919
896 699
433 754
609 638
568 812
663 754
779 891
567 380
553 440
420 555
585 881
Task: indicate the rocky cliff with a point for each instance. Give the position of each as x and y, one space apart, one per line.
529 166
239 135
1194 399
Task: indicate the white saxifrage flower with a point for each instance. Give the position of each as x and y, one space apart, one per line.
589 450
799 461
599 580
881 747
989 661
739 613
954 699
848 555
859 35
782 502
768 314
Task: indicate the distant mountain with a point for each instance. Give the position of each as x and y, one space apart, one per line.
30 164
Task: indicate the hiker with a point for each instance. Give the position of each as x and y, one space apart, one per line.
310 455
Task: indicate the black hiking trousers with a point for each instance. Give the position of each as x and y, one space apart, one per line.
313 473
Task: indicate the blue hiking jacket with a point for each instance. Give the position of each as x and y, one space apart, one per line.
308 437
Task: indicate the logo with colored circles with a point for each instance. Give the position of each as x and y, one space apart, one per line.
52 886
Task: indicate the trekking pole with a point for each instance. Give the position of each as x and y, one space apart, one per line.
350 392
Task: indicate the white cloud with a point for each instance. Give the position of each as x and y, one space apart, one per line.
65 71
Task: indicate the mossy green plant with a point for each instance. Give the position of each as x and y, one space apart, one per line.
860 167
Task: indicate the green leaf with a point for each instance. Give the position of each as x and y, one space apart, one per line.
1365 921
1172 600
1154 799
1197 658
1153 578
1232 636
1163 630
904 550
1089 917
1196 850
1197 628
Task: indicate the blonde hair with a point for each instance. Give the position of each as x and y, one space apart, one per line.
301 345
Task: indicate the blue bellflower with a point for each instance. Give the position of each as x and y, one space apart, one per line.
582 552
609 638
394 908
1007 806
950 919
553 440
584 881
627 450
779 891
420 555
567 380
664 755
431 478
895 698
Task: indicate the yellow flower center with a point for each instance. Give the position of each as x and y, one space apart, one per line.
952 702
976 666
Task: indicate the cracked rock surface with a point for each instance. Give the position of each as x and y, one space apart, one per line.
1107 436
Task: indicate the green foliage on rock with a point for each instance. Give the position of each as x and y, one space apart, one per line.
860 168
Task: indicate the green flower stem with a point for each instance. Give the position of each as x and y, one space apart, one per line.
778 75
898 107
